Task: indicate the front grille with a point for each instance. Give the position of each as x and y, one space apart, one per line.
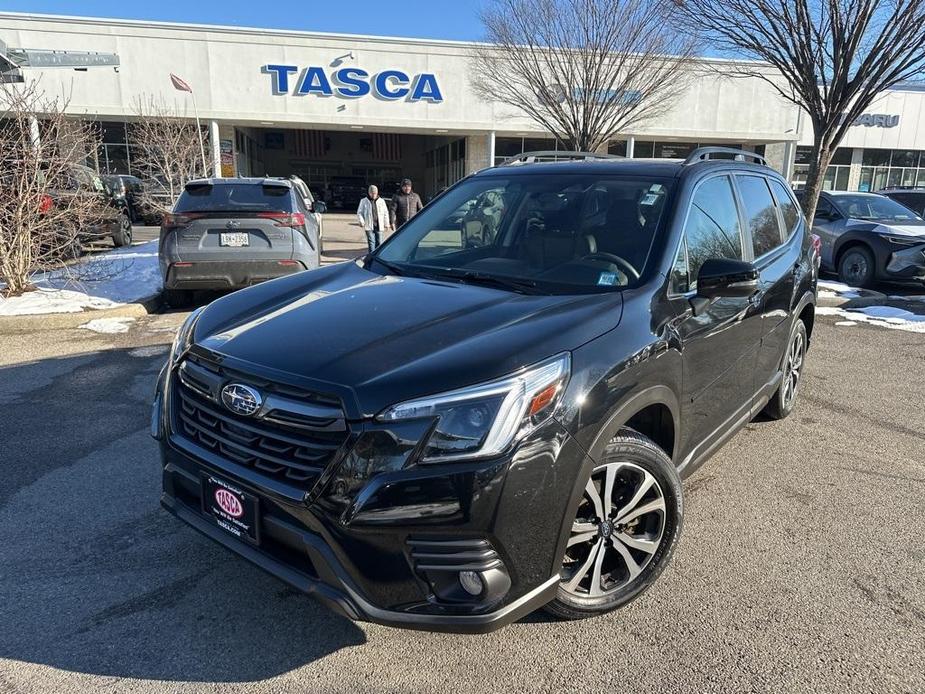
452 554
293 437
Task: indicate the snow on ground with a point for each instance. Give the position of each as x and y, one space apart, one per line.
884 316
109 326
833 289
104 280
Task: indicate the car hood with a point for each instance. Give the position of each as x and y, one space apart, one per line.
376 340
910 228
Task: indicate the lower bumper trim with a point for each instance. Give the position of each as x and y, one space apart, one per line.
346 600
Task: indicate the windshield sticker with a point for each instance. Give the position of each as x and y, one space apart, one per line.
607 278
648 199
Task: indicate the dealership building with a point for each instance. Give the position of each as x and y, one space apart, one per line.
342 111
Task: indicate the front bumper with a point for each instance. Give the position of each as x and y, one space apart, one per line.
361 536
908 263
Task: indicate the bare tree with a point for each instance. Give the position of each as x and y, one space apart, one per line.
582 70
166 150
45 210
836 56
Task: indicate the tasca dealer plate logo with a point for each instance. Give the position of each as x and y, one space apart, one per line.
229 503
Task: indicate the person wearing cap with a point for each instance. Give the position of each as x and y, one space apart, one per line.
374 217
405 204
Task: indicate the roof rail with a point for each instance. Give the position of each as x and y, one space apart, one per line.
703 154
532 157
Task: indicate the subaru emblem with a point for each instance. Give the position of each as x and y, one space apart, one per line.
241 399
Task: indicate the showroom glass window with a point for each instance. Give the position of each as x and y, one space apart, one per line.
711 231
760 214
836 176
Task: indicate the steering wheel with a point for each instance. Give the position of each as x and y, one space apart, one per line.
616 260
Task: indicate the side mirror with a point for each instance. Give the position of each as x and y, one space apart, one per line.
319 207
723 277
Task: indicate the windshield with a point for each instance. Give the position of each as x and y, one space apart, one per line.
564 233
873 207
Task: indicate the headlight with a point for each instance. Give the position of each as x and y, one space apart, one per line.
903 240
181 341
482 420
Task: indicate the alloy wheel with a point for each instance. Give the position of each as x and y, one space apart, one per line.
617 530
793 368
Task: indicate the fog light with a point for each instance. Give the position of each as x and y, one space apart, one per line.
471 582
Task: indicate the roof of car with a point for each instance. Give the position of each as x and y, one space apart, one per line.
853 193
623 166
254 180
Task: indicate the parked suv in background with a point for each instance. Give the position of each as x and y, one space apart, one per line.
78 180
912 197
316 207
463 427
868 237
226 233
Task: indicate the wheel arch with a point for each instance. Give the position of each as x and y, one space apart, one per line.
653 412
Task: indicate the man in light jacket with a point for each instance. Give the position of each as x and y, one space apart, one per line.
373 214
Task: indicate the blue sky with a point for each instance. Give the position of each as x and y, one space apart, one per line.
437 19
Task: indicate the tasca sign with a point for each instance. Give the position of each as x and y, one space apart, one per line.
354 83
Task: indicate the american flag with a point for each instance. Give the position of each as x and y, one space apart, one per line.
180 84
386 146
309 143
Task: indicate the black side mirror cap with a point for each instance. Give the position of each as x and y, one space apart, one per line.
319 207
724 277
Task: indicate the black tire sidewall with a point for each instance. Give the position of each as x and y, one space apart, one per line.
780 409
630 446
868 256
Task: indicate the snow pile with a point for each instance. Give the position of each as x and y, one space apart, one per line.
884 316
109 326
105 280
832 290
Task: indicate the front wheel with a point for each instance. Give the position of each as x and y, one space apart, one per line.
624 531
856 267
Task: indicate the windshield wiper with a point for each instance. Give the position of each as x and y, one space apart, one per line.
394 269
511 283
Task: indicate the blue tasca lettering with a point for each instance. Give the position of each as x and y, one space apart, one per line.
280 75
387 91
425 89
314 81
352 82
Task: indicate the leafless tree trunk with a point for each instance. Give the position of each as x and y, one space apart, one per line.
836 56
582 70
166 149
44 210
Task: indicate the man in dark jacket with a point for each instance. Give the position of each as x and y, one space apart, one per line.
405 204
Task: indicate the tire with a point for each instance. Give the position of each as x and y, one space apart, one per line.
178 298
632 462
856 267
123 237
782 402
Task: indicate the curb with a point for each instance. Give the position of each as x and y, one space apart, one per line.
58 321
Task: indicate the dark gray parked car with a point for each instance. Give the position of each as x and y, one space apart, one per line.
868 237
226 233
912 197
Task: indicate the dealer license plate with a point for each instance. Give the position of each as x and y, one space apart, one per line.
234 239
232 509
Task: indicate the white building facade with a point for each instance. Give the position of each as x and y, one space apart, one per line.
343 111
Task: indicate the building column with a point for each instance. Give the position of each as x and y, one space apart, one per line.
34 135
630 146
854 173
215 150
479 152
491 148
790 156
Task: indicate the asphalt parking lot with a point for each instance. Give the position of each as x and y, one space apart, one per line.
801 567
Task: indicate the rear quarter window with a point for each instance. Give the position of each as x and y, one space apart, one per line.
245 197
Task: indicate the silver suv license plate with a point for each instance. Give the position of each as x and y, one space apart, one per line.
235 239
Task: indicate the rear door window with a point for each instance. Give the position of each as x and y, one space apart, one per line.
235 197
788 208
760 214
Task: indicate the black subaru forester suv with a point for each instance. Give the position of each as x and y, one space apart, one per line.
493 411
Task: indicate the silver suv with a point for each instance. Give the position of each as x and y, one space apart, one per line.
227 233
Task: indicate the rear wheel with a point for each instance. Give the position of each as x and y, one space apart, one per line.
624 531
781 403
856 267
123 237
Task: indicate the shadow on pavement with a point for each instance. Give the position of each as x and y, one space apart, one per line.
95 577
